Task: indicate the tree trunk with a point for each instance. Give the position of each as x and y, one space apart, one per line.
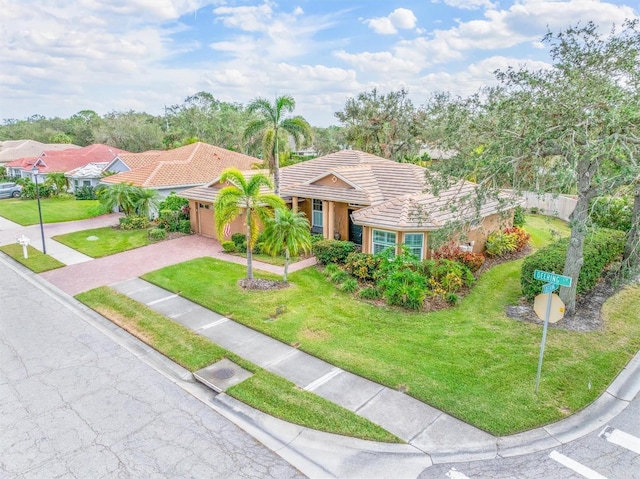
286 264
631 256
249 247
276 167
574 258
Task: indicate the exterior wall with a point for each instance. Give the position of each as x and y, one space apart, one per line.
328 181
489 224
203 222
341 220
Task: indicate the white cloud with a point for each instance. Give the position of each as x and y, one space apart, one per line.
468 4
400 18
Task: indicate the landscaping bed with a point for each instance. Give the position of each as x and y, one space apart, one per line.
471 360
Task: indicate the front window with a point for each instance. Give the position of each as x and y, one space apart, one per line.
414 242
382 240
316 217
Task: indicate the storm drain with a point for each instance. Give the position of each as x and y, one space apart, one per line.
222 375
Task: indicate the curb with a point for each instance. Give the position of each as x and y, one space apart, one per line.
319 454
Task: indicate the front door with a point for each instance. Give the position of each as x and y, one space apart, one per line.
355 231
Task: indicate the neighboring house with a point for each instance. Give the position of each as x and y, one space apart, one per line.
175 170
87 175
15 149
366 199
61 161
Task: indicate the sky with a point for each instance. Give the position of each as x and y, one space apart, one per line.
59 57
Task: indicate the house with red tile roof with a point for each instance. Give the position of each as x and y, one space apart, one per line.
372 201
175 170
61 161
15 149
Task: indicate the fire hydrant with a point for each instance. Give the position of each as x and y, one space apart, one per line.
24 241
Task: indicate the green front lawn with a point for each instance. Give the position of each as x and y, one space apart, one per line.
54 210
37 261
264 390
470 361
110 241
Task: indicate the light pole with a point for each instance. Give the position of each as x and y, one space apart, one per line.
35 172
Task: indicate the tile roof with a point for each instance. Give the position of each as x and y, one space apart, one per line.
15 149
51 161
92 170
189 165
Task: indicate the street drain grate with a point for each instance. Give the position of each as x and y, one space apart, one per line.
224 373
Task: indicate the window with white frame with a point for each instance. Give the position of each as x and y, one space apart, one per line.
415 243
382 240
316 216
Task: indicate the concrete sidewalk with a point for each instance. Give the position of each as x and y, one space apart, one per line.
10 231
443 438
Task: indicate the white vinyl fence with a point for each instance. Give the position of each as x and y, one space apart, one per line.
552 205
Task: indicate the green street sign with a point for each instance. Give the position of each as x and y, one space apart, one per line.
548 288
552 278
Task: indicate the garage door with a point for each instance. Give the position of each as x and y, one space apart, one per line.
206 221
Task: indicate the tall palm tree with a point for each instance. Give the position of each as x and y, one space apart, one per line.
243 194
271 125
288 232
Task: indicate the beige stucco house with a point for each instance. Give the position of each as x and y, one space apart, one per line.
369 200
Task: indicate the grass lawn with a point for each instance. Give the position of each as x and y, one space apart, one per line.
110 241
264 390
54 210
544 229
470 361
37 261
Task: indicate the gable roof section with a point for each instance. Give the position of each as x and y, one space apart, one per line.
189 165
427 212
92 170
68 159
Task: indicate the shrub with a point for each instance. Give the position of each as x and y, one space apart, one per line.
363 265
370 292
518 216
452 299
169 219
316 238
350 285
184 226
601 248
228 246
500 244
332 251
339 276
86 192
521 237
405 288
29 190
240 240
452 251
134 222
175 203
330 269
451 273
611 212
157 234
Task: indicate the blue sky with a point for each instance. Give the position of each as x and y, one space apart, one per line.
60 57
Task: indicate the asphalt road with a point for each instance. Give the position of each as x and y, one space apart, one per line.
74 403
610 453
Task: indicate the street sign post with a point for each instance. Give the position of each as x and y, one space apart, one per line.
553 281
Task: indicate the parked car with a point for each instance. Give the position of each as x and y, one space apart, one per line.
10 190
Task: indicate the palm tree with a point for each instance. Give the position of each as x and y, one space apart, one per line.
271 125
288 232
59 182
146 201
119 196
243 194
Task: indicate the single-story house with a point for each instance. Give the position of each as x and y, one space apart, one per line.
175 170
15 149
369 200
87 175
61 161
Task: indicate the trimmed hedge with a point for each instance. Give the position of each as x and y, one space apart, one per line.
601 248
332 251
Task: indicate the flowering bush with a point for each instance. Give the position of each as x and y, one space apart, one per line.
452 251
